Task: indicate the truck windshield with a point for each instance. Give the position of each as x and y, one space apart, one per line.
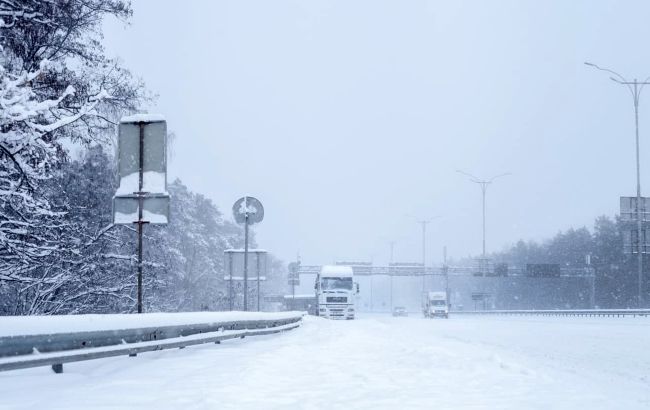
438 302
336 283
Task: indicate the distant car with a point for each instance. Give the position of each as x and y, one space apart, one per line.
400 311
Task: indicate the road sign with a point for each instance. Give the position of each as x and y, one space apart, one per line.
142 168
631 239
294 276
250 207
293 269
155 209
238 261
148 132
248 211
628 209
543 270
142 196
478 296
630 227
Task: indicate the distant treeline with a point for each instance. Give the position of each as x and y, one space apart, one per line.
616 272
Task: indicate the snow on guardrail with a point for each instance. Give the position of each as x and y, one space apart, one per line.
31 341
35 325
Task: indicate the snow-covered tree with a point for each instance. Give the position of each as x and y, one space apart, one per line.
189 251
616 275
89 270
56 88
59 251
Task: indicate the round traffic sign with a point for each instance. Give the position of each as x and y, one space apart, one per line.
248 208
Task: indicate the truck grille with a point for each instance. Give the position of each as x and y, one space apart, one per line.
337 312
336 299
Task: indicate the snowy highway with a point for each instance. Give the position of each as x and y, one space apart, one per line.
375 362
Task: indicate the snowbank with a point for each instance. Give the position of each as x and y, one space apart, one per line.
143 118
336 271
36 325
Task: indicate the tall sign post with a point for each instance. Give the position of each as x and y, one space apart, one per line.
230 283
235 262
445 271
635 218
634 87
247 210
141 197
483 262
294 280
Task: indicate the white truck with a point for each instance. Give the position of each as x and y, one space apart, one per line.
434 304
335 292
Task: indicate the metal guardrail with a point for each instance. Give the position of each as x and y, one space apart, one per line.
24 351
559 312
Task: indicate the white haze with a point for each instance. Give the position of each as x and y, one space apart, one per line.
344 117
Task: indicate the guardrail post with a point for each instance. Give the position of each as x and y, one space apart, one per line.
57 368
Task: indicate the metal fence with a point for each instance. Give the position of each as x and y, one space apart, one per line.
565 312
24 351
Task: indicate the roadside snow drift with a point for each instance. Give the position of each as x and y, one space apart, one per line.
376 362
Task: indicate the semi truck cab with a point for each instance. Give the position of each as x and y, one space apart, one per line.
335 292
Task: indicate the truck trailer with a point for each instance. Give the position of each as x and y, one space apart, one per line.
434 304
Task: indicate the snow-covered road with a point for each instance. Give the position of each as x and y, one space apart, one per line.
376 362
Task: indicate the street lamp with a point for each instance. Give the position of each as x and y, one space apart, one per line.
390 272
484 184
635 87
424 223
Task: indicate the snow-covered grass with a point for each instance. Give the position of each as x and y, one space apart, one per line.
38 325
376 362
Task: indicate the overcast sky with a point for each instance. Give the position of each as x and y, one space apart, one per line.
344 117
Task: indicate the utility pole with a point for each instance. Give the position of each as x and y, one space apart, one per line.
445 270
293 283
424 223
635 87
483 184
390 272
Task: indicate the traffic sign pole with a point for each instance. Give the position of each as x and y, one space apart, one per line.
294 279
140 222
145 134
230 290
246 262
257 262
248 210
